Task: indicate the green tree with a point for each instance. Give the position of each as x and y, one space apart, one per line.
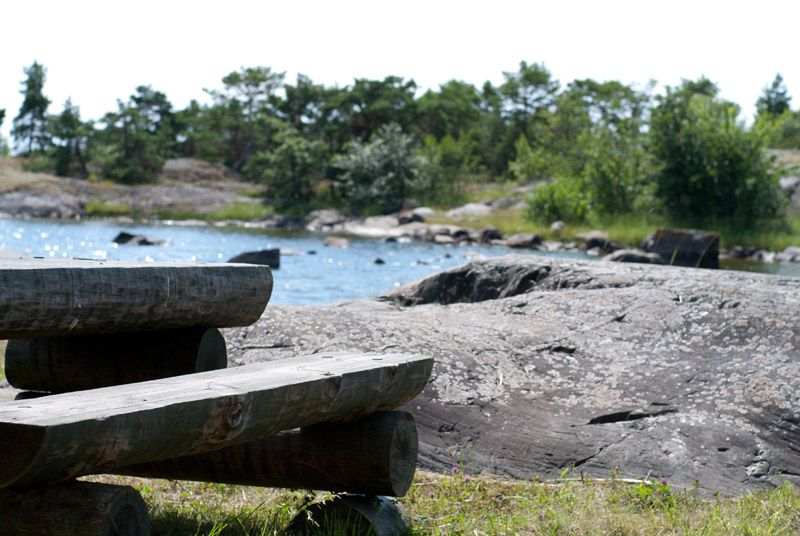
712 169
291 171
451 111
70 140
30 126
369 105
445 165
617 173
519 106
775 99
243 115
376 176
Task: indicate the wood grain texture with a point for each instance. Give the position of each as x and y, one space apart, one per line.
57 437
375 455
63 364
84 508
45 298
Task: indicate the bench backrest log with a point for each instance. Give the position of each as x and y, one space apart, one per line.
44 298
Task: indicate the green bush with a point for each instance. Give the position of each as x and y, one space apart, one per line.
377 176
563 199
713 170
291 171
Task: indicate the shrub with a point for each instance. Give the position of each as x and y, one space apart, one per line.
712 169
563 199
378 175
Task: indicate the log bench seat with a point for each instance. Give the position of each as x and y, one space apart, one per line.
133 366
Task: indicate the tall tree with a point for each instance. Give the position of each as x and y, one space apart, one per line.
775 99
369 105
244 114
30 125
452 110
139 136
70 139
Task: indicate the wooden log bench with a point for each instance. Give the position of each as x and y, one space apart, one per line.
137 364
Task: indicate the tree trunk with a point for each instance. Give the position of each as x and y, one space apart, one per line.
84 508
62 364
57 437
43 298
376 455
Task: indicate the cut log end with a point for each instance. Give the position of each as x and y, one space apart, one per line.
86 508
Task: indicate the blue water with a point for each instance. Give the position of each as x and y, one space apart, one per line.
330 275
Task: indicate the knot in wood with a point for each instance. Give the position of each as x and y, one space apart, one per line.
234 412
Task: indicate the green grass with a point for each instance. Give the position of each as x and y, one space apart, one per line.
631 230
236 211
242 211
105 209
459 504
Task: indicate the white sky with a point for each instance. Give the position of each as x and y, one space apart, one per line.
98 51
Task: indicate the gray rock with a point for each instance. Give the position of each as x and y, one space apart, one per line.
336 242
598 240
790 254
557 227
504 203
131 239
546 364
424 212
790 184
409 217
685 247
269 257
470 210
634 255
524 240
22 204
489 234
324 220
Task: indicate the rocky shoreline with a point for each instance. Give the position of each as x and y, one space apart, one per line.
544 365
194 187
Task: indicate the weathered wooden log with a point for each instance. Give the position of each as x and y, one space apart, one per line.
350 514
62 364
85 508
44 298
57 437
376 455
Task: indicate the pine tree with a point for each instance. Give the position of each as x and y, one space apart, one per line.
775 99
30 125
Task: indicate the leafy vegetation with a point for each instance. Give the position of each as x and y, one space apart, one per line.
598 150
486 506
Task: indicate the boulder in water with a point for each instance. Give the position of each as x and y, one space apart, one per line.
270 257
685 247
131 239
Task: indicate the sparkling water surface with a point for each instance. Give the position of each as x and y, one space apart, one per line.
325 276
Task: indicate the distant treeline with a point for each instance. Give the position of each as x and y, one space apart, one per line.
605 148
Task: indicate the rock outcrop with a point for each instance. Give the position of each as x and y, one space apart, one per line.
685 374
685 247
